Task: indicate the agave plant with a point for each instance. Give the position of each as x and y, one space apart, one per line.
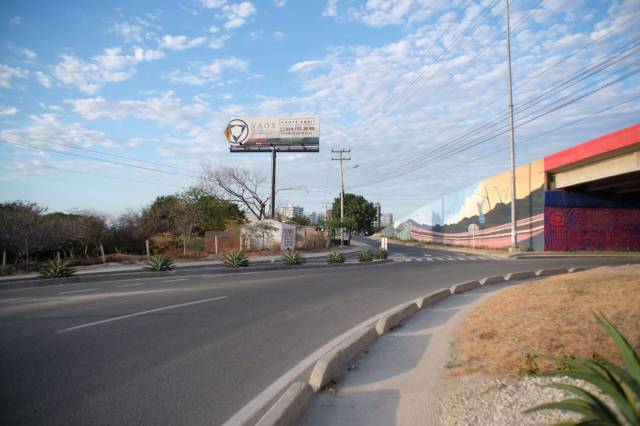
365 255
235 259
56 269
293 257
159 263
380 253
620 383
335 256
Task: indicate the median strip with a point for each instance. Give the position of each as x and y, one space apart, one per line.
136 314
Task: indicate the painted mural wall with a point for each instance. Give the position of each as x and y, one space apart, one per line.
479 215
577 221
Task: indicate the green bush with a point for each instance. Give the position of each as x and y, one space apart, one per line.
56 269
159 263
335 256
235 259
293 258
365 255
380 253
621 384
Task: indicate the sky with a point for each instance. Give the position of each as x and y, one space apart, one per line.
105 105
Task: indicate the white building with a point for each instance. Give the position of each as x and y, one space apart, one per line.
386 219
289 211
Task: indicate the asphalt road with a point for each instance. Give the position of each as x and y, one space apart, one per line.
193 350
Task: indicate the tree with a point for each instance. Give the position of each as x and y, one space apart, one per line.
240 186
22 229
357 209
299 220
213 213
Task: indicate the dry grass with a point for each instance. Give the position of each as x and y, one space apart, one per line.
507 335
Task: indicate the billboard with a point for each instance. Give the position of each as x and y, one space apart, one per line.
262 134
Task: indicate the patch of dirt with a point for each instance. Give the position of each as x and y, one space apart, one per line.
510 334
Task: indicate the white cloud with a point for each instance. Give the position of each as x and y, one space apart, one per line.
280 3
112 65
16 20
29 54
43 79
7 110
49 127
218 42
212 4
129 32
380 13
214 29
278 35
8 74
165 110
203 73
180 42
305 66
237 14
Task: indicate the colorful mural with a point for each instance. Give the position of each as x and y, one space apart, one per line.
480 214
584 228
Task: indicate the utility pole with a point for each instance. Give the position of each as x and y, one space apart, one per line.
273 182
341 158
512 145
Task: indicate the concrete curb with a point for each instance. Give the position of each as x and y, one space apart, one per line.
519 275
330 366
463 287
31 282
289 407
549 272
432 298
393 319
496 279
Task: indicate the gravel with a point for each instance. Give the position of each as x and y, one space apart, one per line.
480 400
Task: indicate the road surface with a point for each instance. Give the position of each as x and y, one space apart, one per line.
193 350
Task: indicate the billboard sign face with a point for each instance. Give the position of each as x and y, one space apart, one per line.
262 134
288 237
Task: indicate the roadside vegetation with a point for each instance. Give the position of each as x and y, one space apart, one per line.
293 257
512 332
335 256
56 269
235 259
159 264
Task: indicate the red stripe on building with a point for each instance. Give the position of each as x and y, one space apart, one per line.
601 145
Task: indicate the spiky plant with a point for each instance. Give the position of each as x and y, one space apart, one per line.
380 253
335 256
293 257
159 263
620 383
56 269
235 259
365 255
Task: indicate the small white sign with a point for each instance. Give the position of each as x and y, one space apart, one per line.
288 237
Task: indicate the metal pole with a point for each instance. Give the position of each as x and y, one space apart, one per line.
341 201
273 182
514 231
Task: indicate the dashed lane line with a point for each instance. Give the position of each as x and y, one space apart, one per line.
84 290
137 314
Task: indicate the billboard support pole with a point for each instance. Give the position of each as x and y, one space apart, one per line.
273 182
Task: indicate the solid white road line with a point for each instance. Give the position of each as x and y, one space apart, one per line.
129 285
13 299
77 291
137 314
174 281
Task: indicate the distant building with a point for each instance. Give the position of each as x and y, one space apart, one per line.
386 219
328 214
290 211
376 219
313 218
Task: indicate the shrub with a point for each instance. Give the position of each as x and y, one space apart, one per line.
335 256
56 269
365 255
621 384
380 253
235 259
293 258
158 264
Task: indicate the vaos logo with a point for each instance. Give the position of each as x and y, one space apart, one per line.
237 132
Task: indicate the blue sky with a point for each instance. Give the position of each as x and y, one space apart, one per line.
412 87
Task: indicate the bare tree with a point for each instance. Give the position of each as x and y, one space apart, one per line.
237 185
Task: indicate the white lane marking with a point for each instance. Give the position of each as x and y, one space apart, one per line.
419 259
462 258
129 285
174 281
137 314
430 259
77 291
13 299
439 258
